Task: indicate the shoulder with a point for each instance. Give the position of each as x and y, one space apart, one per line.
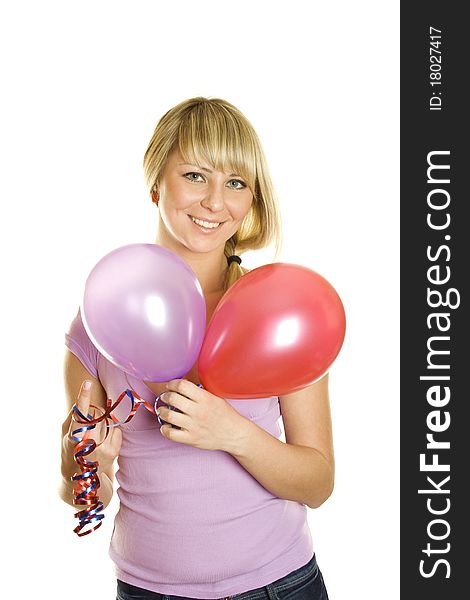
80 344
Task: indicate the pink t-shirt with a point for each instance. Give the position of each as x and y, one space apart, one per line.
193 522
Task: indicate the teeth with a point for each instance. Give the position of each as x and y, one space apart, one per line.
205 223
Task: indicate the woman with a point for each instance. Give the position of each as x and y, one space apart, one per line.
229 523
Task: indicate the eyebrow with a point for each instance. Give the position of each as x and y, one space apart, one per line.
204 169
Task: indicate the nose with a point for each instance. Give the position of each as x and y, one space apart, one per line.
214 198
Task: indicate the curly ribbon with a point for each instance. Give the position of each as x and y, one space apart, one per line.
87 481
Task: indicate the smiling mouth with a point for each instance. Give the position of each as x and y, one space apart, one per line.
205 224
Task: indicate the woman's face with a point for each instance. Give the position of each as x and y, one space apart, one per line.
218 200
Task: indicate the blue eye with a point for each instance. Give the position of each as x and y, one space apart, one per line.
193 176
239 184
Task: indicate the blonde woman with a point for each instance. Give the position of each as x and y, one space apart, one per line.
212 504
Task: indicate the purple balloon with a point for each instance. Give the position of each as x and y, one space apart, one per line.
144 310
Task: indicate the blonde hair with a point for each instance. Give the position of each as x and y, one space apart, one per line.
213 131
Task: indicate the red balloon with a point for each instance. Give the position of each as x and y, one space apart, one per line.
275 331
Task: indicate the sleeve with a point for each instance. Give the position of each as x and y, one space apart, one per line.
78 342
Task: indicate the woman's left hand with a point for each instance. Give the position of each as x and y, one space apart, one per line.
206 421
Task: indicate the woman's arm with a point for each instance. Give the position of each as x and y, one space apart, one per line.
74 375
302 469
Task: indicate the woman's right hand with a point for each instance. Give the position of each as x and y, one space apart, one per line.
105 453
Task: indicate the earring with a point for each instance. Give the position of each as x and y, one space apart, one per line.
155 197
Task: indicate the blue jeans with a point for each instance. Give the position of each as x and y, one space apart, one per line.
305 583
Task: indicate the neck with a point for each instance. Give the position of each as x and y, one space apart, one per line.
209 267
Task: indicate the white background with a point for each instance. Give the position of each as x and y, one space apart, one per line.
84 84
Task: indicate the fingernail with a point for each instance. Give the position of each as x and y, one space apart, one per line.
86 386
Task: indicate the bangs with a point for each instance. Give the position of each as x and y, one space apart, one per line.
210 136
